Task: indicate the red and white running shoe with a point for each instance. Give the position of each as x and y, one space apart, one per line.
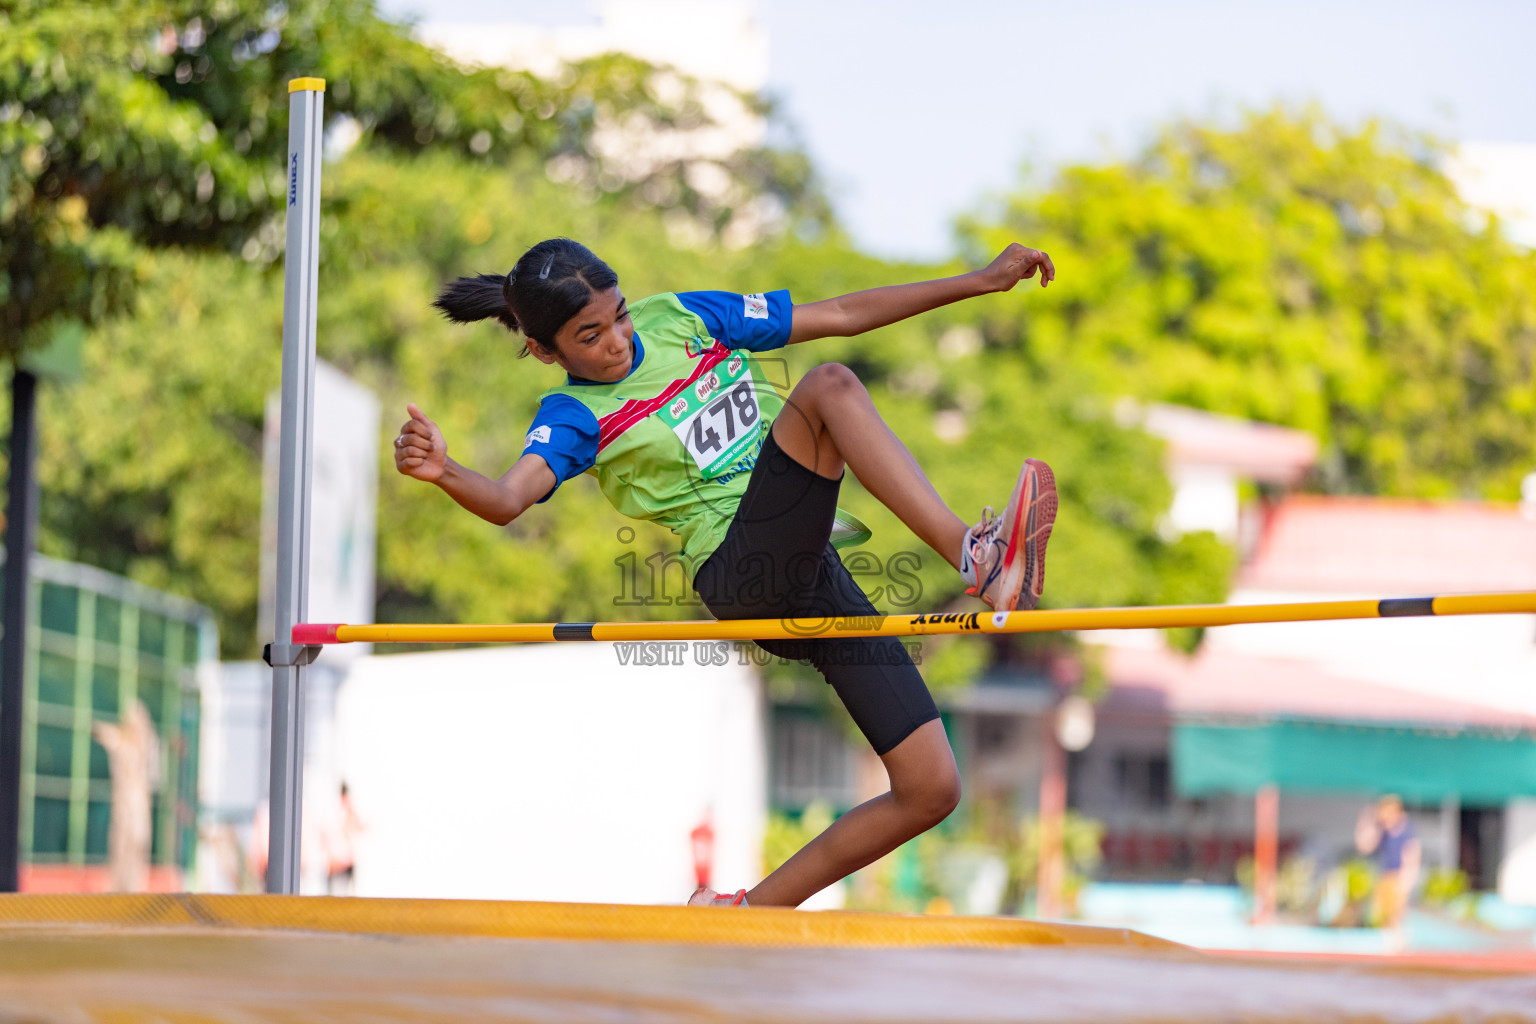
704 896
1008 552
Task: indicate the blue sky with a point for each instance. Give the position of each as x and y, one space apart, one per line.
916 110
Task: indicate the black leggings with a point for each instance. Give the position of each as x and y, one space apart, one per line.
777 561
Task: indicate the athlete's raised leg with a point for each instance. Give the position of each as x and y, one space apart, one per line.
925 787
831 421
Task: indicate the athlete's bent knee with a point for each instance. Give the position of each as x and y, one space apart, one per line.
934 799
834 378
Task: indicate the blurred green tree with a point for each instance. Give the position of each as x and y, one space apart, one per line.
134 123
1291 270
140 156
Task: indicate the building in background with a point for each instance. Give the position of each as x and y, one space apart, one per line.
97 643
715 40
1441 711
1212 460
1458 734
1499 178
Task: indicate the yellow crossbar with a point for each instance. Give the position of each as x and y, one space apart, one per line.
1521 602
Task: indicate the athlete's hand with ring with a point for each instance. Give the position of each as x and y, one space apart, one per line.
1018 263
420 450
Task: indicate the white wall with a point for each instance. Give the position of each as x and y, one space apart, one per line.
343 507
1517 874
233 771
550 772
1204 498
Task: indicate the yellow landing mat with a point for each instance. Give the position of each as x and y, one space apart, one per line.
126 959
590 922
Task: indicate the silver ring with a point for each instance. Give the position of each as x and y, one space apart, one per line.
400 441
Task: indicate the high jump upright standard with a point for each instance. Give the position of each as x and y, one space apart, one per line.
306 99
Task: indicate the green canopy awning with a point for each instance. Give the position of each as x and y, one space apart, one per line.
1418 763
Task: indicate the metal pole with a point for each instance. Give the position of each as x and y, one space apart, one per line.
20 528
302 259
1051 873
1266 852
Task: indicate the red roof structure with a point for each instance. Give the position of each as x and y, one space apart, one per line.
1166 684
1253 451
1387 547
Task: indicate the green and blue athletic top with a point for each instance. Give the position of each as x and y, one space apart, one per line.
675 440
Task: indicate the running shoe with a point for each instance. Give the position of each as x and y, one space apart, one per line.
704 896
1008 552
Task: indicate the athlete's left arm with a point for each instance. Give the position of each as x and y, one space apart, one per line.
857 312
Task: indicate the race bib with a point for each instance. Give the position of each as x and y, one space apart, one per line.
717 417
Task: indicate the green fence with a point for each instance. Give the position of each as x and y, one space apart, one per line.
97 642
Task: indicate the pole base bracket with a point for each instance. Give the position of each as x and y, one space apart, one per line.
279 655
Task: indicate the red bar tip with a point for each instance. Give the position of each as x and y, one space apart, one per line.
306 633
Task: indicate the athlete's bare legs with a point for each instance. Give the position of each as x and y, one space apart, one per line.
830 422
925 787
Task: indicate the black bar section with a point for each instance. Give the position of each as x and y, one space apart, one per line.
1394 607
573 630
20 528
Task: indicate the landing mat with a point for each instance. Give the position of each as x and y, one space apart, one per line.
289 959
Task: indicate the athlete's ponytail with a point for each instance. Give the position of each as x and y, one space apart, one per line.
481 297
548 285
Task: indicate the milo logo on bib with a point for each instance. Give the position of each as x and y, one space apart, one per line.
718 418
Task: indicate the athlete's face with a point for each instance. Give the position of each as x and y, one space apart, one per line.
595 344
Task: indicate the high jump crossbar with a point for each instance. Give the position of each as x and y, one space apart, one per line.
313 635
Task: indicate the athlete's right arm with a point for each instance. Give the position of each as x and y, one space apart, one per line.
422 453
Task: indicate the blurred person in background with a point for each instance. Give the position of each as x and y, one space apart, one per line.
1385 831
340 839
314 848
133 759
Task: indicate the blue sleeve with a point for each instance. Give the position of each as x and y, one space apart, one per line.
754 322
563 434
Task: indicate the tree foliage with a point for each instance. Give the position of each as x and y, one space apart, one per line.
140 123
141 155
1296 272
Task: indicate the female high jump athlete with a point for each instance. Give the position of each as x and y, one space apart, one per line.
665 402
